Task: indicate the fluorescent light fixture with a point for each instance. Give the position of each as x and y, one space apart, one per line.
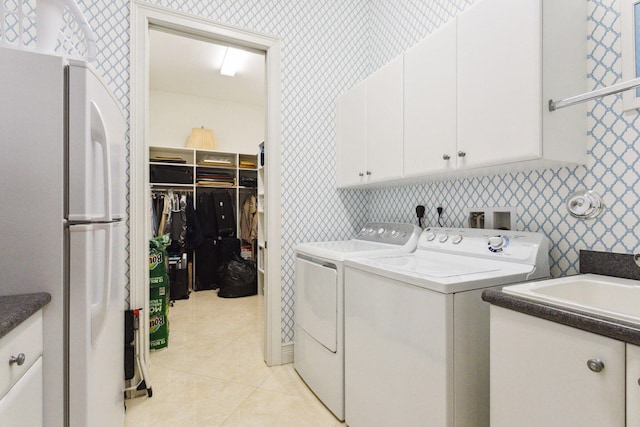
231 62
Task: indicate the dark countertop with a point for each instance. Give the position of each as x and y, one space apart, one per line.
603 263
15 309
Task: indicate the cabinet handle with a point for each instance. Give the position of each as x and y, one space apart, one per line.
368 172
596 365
360 174
461 154
446 157
19 360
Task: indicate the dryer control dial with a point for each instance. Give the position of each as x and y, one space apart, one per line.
456 239
430 236
443 238
380 231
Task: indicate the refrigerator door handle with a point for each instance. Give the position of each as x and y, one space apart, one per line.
100 308
99 136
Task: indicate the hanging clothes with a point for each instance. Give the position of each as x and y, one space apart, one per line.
193 234
249 219
178 223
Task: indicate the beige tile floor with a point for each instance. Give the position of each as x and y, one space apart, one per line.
213 373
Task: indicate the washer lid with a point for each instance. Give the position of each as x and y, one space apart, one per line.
445 273
429 267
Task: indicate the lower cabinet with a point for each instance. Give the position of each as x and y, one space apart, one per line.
547 374
22 405
21 394
633 386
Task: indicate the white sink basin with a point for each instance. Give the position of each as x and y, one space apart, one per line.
592 293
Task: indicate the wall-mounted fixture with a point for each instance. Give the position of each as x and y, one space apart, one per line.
202 138
630 43
599 93
498 218
585 204
629 10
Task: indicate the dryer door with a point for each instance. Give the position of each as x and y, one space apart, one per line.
317 300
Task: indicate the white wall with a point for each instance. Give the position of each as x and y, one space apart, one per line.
238 127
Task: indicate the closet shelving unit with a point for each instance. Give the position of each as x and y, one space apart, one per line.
207 170
207 162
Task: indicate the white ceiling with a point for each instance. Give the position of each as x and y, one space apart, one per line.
189 66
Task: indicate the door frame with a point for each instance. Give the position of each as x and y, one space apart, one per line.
144 16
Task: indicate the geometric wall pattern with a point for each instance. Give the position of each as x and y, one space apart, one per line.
327 47
324 52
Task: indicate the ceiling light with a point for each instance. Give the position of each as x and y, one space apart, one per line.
231 62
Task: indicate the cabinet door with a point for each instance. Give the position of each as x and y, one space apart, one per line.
430 104
351 137
385 122
633 386
499 82
22 406
540 377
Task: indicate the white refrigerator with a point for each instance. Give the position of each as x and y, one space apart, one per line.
63 227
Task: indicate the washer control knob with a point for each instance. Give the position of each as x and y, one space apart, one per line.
395 234
496 242
456 239
380 231
443 238
430 236
370 230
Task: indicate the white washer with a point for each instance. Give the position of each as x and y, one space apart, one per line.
417 330
319 319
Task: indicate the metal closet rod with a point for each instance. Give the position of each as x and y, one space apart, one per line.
598 93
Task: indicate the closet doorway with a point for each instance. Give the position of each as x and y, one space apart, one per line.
151 23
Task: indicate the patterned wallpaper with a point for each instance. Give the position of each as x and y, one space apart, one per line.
327 47
324 52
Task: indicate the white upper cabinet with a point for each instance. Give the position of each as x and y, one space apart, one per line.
351 135
369 129
430 104
513 56
472 98
384 123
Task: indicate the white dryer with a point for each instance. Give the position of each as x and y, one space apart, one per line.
417 330
319 304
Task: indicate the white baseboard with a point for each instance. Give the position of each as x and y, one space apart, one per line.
287 353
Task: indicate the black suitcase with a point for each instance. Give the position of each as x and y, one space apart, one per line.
207 263
171 174
178 276
225 218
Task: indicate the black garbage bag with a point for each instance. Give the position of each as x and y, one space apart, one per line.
238 278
